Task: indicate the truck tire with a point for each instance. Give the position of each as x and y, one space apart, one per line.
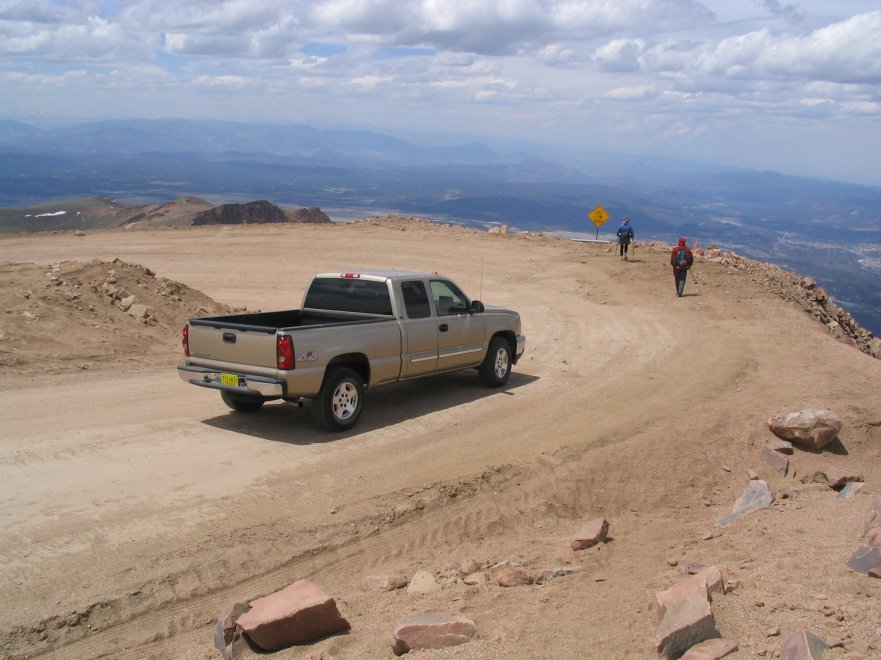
496 367
340 401
244 404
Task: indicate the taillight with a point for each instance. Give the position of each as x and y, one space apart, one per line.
185 340
284 349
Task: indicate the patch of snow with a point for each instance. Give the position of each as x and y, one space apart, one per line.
50 215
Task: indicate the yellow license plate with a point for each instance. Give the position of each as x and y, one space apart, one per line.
229 379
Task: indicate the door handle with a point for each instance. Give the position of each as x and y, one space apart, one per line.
443 327
229 337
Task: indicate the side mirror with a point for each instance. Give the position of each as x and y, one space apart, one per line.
477 307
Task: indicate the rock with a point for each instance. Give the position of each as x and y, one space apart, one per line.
79 232
298 614
383 582
803 645
776 460
423 582
712 649
781 446
715 581
838 480
864 559
140 311
592 533
513 576
872 519
126 303
29 316
432 630
687 621
813 429
873 537
468 566
476 579
850 489
757 495
691 568
227 635
545 573
703 584
499 229
257 212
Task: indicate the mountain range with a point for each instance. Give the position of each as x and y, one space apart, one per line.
826 229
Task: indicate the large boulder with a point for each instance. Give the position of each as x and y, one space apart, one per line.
813 429
432 630
687 621
297 614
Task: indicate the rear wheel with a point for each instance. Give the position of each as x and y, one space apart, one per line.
340 401
496 367
241 403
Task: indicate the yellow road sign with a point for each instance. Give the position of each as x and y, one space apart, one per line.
598 216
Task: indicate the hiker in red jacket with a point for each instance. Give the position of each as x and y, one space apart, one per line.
681 259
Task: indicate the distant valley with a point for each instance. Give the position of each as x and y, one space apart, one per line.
825 229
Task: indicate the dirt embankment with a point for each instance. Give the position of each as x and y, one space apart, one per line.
136 506
74 315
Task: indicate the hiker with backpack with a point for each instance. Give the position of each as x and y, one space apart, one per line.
625 235
681 259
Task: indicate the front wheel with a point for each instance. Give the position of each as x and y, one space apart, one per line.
496 367
241 403
340 401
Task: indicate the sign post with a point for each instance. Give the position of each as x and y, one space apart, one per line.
598 216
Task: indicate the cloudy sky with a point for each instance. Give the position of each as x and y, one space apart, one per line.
771 84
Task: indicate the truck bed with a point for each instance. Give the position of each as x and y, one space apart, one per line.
271 322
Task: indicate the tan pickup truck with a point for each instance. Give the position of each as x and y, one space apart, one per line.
355 330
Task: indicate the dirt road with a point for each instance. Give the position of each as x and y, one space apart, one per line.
134 506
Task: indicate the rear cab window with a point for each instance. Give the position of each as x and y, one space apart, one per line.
349 295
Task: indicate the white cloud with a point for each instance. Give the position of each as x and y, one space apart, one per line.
620 55
557 55
370 82
234 82
625 93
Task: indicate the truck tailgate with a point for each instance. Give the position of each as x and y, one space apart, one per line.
255 348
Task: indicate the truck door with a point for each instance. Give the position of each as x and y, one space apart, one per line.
460 334
420 331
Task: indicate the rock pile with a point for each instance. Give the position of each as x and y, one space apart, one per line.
73 315
804 292
302 613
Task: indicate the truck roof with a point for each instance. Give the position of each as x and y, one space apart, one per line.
377 274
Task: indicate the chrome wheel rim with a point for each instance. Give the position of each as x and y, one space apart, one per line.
345 401
501 367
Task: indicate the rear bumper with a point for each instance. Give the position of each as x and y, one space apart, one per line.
249 385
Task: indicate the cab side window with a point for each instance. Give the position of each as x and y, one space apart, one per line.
448 300
415 300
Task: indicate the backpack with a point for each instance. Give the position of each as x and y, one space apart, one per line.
682 260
